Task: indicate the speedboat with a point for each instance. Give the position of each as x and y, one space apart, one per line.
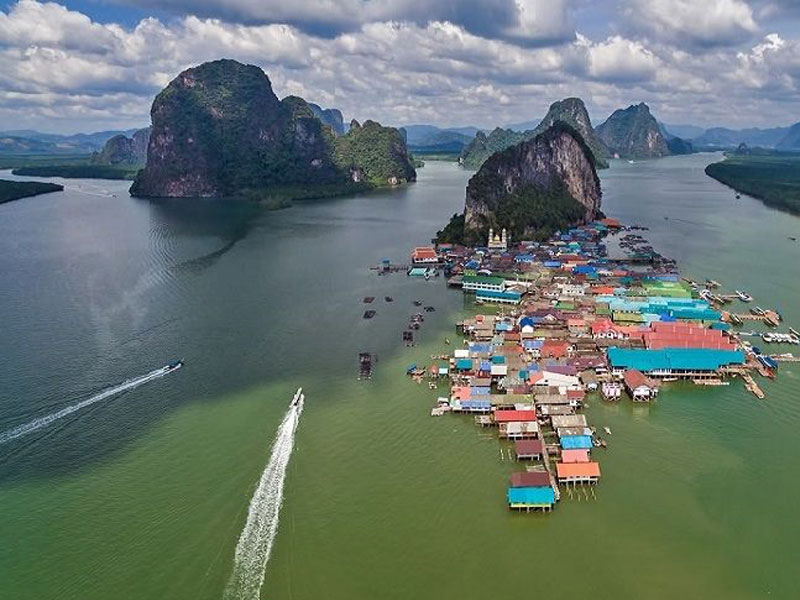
175 365
744 297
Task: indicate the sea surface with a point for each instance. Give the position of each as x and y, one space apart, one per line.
144 493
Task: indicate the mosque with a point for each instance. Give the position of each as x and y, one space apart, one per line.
498 242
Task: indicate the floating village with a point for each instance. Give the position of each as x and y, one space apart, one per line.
593 312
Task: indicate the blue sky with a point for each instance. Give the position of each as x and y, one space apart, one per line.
96 64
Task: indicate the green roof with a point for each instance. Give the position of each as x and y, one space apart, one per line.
482 279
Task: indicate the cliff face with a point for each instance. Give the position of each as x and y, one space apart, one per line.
219 130
531 189
633 133
121 150
571 111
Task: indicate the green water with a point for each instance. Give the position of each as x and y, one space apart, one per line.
144 495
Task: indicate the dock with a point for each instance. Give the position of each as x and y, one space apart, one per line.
752 386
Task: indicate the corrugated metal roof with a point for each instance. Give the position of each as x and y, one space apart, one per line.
535 496
590 469
685 359
572 442
530 478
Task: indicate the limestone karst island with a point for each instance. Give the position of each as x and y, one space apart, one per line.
366 299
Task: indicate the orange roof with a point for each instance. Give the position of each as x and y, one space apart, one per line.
588 469
424 252
604 290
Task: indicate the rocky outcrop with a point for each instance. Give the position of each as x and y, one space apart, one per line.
633 133
374 153
219 130
571 111
531 189
124 151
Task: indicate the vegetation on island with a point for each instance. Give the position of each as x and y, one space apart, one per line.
16 161
633 133
532 189
220 131
378 153
550 210
14 190
772 177
483 146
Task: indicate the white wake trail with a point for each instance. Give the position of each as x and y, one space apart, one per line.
258 535
41 422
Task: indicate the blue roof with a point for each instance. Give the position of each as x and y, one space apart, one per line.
476 404
531 495
479 348
687 359
526 322
463 364
573 442
479 390
485 365
529 344
499 360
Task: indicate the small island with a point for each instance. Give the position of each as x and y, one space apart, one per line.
14 190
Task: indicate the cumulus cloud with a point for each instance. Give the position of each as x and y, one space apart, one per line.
529 22
618 60
698 22
60 69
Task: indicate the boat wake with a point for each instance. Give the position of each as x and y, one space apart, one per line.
36 424
255 542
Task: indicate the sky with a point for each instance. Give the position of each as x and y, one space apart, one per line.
89 65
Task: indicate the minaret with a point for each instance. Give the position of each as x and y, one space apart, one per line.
491 237
504 239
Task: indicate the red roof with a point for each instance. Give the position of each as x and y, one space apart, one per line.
635 379
514 416
685 335
530 479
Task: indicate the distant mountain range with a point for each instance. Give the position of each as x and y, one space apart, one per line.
28 141
780 138
429 138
